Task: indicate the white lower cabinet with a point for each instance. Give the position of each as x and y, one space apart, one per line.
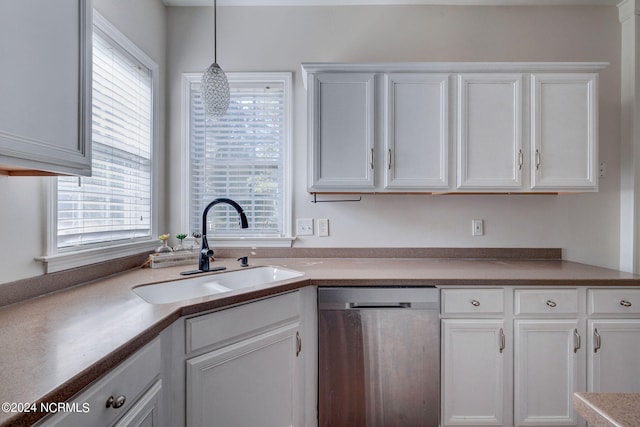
613 355
249 383
245 365
147 411
473 372
475 357
129 396
554 342
614 340
548 369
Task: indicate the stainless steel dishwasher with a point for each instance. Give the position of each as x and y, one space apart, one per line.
379 357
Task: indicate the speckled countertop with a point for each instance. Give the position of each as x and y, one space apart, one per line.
53 346
608 409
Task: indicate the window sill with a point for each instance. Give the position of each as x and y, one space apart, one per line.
65 261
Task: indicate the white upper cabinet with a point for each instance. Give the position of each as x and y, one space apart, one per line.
489 130
45 81
389 127
564 131
341 131
416 134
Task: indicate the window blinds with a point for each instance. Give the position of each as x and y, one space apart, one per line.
115 203
239 156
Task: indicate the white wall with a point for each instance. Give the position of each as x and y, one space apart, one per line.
23 213
280 38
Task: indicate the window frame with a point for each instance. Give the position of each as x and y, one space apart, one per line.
58 259
185 164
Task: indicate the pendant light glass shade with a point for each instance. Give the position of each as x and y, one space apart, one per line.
215 91
215 86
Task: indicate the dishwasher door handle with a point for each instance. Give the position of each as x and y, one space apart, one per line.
378 305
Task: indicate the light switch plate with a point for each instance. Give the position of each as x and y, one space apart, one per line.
323 227
304 227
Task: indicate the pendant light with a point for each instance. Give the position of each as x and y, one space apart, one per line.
215 87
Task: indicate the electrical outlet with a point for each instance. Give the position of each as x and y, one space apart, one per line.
603 170
323 227
477 227
304 227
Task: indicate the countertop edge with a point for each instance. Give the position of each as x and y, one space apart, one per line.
608 409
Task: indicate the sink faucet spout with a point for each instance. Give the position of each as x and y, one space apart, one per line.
205 251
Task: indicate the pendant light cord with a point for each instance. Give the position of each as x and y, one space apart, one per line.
215 33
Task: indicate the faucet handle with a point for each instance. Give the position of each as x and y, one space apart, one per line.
244 261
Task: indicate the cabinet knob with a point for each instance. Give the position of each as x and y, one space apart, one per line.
551 303
115 403
625 303
475 303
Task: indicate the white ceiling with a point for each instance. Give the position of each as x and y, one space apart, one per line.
393 2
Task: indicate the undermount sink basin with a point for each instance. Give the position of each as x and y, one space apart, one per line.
212 284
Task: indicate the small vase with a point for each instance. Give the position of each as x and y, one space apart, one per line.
179 247
164 248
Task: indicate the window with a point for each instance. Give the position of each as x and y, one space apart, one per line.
244 156
115 205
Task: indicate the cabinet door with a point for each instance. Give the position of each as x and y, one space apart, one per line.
128 381
564 131
341 131
250 383
146 412
548 367
473 352
613 351
45 81
489 132
416 135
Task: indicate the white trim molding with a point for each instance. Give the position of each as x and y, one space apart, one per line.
450 67
629 11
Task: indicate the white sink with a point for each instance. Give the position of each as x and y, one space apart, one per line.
212 284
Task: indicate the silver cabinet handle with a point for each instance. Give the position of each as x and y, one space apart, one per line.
298 344
577 341
537 159
115 403
520 159
597 342
551 303
625 303
389 159
502 341
372 164
475 303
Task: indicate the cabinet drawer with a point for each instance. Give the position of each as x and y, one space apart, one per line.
237 323
129 379
546 301
613 301
471 301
